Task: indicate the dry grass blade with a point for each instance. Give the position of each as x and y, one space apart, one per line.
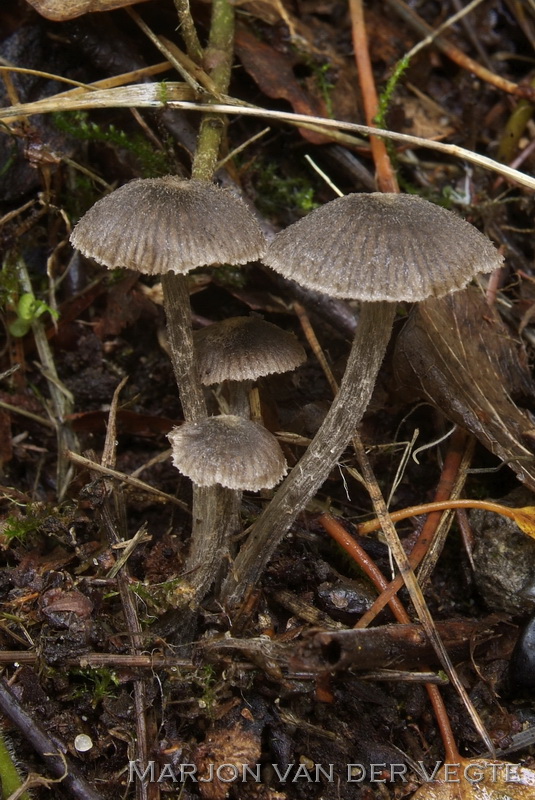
414 589
178 95
524 517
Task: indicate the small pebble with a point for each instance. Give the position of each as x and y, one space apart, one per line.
83 743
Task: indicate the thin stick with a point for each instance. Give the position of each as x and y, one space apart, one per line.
456 55
188 30
57 763
444 505
414 589
441 28
190 80
150 96
386 177
82 461
114 518
456 464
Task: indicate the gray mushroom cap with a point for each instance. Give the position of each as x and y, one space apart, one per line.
228 450
382 246
244 348
158 225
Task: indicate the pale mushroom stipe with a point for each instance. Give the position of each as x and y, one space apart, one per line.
380 249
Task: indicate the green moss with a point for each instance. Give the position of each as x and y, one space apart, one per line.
230 276
20 527
151 162
9 281
101 682
321 74
386 95
277 192
163 94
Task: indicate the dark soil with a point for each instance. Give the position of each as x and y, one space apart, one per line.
255 685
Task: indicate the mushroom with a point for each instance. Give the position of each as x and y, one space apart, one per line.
377 248
239 350
169 226
228 450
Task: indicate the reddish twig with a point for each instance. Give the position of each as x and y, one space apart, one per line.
452 462
386 178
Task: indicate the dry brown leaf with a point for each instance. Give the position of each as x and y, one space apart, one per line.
60 10
458 354
479 779
273 73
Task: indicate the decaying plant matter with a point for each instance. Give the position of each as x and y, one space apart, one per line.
153 608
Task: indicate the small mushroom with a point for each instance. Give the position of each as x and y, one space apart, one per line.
159 225
239 350
230 451
169 225
377 248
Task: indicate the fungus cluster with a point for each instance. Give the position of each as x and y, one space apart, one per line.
163 225
376 248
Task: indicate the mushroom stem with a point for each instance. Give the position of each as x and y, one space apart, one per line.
209 535
218 55
209 555
178 312
238 398
238 403
365 359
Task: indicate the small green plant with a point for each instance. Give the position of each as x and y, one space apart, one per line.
206 679
11 780
20 527
29 308
321 73
102 680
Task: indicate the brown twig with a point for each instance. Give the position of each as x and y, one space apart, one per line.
456 55
114 518
386 177
82 461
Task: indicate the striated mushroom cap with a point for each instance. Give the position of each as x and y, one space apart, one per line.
229 450
157 225
244 348
382 247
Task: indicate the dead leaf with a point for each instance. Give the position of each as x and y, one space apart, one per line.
457 353
60 10
273 73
